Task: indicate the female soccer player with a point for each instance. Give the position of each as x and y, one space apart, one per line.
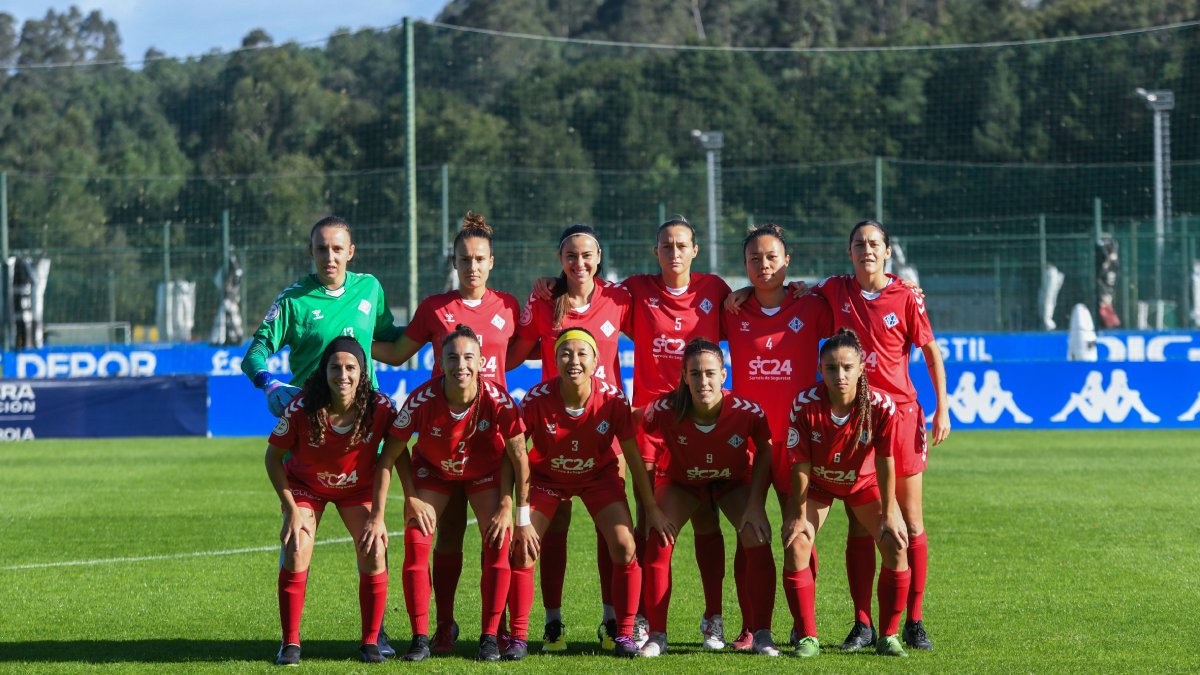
493 316
670 309
308 314
841 440
717 450
573 420
773 351
578 300
465 425
890 319
330 435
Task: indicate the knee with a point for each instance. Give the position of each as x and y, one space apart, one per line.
623 549
522 560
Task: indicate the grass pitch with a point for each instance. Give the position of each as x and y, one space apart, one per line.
1049 552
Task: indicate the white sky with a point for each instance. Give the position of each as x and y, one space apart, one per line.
190 27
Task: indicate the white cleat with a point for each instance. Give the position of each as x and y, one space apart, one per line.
763 644
655 646
641 630
712 630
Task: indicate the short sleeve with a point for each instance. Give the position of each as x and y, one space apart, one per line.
285 433
919 332
884 435
622 420
406 422
418 330
527 328
797 441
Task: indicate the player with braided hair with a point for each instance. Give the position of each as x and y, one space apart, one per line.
841 439
330 434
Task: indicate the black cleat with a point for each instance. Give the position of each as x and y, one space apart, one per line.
554 639
862 635
369 653
489 649
289 655
515 650
625 647
385 645
418 649
915 637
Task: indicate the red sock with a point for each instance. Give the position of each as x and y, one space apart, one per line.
860 572
627 588
415 578
760 586
656 583
739 583
291 603
710 556
604 565
893 589
639 544
520 601
493 585
372 601
553 559
918 562
801 593
447 567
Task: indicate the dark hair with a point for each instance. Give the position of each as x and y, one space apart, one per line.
846 338
559 291
318 398
887 240
330 221
462 330
677 220
473 226
681 397
764 230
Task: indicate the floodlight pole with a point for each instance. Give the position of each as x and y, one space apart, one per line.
712 142
1161 102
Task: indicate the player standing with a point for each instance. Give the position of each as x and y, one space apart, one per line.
889 319
330 435
465 425
493 316
841 439
717 450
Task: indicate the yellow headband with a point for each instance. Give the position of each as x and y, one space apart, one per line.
576 334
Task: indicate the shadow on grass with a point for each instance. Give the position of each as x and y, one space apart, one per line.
166 651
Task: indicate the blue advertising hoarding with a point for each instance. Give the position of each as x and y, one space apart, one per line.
104 407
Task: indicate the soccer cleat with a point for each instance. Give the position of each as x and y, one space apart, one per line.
889 645
289 655
555 637
624 646
606 632
418 649
655 646
641 630
385 645
793 637
862 635
764 644
489 649
807 647
515 650
915 637
744 641
444 638
713 631
369 653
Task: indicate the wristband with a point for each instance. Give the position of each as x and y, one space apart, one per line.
261 379
523 516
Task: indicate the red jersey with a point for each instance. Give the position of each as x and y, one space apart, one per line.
698 457
663 324
841 463
337 467
569 449
888 326
772 355
494 320
444 441
606 317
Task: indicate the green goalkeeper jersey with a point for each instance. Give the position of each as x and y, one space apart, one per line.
306 317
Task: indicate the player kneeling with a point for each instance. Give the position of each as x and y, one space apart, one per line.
840 440
332 431
717 452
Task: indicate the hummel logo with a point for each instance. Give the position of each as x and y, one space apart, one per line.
683 440
317 315
816 437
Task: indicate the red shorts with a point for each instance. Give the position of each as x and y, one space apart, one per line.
909 449
425 478
706 493
864 495
315 499
545 496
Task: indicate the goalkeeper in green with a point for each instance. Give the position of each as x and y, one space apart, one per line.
319 307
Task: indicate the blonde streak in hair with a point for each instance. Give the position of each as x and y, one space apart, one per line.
864 408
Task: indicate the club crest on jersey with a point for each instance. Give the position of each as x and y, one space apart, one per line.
816 437
706 306
890 320
449 318
483 425
498 321
608 329
736 441
795 324
364 306
745 326
603 428
403 419
282 427
793 437
272 313
317 315
652 302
